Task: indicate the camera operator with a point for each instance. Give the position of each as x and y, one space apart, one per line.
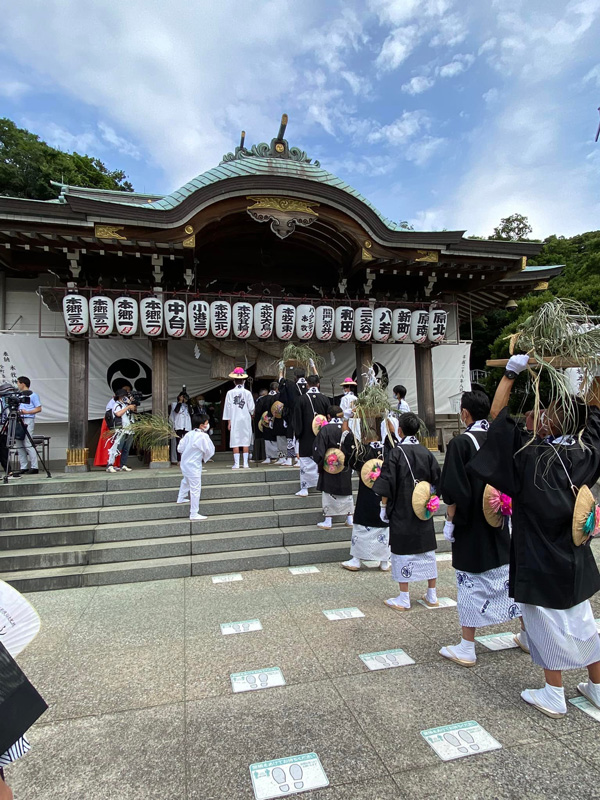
124 408
25 449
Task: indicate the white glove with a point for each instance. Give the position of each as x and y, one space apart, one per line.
449 531
383 514
311 363
281 366
517 364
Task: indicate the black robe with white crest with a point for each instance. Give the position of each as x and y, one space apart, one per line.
339 485
289 394
306 408
264 404
409 535
367 510
478 547
546 568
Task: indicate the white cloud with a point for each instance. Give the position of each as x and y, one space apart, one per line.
118 142
423 150
13 89
397 47
59 137
401 130
418 84
488 45
593 75
451 31
491 96
460 63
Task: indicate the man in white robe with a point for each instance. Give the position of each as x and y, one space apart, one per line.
238 411
195 448
347 402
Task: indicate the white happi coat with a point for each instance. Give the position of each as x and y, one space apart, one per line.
196 447
239 407
346 405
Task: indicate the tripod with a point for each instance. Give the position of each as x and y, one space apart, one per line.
9 429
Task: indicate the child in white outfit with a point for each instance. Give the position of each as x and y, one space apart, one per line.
196 448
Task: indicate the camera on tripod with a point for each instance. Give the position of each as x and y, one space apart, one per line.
14 398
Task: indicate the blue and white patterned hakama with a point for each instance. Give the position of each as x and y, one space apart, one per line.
17 750
337 505
370 544
562 638
418 567
483 599
309 473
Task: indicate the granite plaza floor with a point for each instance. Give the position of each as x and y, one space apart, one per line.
141 705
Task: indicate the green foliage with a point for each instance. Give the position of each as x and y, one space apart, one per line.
514 228
406 226
27 165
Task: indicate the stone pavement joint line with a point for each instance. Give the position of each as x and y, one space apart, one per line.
137 677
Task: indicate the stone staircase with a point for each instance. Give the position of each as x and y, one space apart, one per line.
94 529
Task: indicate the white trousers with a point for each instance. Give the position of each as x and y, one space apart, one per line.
309 473
25 450
192 485
271 450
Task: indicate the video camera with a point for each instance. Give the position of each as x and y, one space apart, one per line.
136 397
13 397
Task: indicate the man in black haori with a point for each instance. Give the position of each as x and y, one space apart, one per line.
370 535
332 451
289 394
263 421
551 577
480 551
412 540
308 406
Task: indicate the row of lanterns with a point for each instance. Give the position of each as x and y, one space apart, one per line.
103 316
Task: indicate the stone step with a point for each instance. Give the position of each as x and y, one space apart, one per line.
254 556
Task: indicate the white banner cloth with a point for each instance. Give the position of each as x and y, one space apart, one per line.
46 363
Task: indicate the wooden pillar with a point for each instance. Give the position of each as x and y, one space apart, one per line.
425 394
364 359
77 451
160 397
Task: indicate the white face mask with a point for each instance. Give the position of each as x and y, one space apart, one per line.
205 428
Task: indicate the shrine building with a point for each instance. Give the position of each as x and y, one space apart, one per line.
266 248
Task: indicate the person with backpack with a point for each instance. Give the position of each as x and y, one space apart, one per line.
101 457
121 416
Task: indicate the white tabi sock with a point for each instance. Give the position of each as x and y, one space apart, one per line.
327 522
349 520
403 599
591 691
353 562
246 459
236 459
432 595
551 698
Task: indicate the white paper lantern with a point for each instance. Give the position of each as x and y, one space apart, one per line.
419 325
344 323
76 314
198 318
305 321
126 315
220 318
438 322
242 319
324 323
363 324
175 317
151 313
264 320
285 321
401 318
382 324
102 315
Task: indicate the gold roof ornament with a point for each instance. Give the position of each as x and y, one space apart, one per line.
108 232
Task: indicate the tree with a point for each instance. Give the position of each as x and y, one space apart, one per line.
27 165
405 226
514 228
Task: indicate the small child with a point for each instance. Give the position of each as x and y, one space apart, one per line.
412 539
196 448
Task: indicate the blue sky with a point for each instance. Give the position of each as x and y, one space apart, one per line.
446 113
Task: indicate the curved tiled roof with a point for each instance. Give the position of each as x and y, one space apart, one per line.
253 165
